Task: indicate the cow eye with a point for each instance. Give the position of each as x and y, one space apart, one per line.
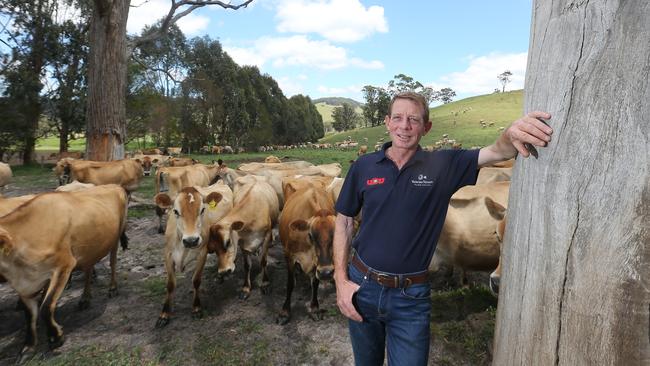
176 213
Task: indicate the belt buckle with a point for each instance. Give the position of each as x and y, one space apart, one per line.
382 278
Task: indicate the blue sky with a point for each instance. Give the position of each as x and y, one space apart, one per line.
334 47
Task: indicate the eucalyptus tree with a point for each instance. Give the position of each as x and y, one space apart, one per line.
110 49
30 40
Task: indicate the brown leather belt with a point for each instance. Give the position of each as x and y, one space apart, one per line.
392 281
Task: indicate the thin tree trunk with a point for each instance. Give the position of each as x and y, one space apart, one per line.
107 81
576 280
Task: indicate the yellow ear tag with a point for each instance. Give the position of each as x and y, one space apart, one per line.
212 205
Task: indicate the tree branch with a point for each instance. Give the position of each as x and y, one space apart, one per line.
172 17
154 68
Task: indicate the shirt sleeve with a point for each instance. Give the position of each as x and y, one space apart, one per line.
349 201
463 169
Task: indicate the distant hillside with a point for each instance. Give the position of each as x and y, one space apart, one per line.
337 101
461 120
326 110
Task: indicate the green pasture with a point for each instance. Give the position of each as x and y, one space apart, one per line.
460 120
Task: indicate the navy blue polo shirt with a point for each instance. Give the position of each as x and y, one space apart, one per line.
403 210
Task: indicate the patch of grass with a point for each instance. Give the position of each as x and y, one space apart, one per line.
137 212
33 176
470 337
156 286
457 304
241 344
94 355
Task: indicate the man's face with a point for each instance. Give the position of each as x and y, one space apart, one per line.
406 125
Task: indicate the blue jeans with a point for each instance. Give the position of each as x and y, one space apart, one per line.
393 318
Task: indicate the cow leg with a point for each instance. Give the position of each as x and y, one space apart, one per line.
124 240
84 302
265 288
197 312
314 311
285 314
160 212
246 288
112 288
30 308
57 284
165 314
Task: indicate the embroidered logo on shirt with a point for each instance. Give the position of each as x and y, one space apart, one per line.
422 181
375 181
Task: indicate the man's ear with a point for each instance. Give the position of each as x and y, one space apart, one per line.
427 127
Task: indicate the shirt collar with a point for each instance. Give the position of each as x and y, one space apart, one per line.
418 157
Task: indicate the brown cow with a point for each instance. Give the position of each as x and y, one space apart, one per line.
362 150
186 235
247 227
126 173
149 161
467 239
74 186
498 212
306 231
272 159
172 180
5 174
29 259
489 175
181 162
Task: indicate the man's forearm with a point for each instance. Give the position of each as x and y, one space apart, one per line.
342 238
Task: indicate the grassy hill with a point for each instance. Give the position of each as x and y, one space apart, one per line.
460 120
326 110
337 101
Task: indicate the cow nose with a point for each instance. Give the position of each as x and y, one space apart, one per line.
146 174
325 274
191 241
494 284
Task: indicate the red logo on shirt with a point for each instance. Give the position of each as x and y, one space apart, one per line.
374 181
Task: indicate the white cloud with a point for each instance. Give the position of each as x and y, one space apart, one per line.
336 20
144 13
297 51
289 86
480 77
350 91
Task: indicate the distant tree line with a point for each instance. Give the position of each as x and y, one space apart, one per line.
180 91
377 100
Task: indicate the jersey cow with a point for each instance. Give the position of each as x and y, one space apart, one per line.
5 174
85 228
468 240
186 236
247 227
306 231
126 173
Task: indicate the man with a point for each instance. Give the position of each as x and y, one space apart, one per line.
404 192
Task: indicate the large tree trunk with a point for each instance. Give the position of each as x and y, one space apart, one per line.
107 81
576 281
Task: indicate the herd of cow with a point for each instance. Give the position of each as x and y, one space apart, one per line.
211 208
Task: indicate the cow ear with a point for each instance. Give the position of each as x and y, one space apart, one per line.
237 225
162 200
5 242
495 209
288 190
299 225
213 199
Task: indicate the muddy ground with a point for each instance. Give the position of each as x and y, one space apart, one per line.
120 330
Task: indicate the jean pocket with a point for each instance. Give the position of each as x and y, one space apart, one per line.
417 292
356 276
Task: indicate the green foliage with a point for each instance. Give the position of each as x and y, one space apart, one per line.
446 95
376 107
458 304
156 286
345 118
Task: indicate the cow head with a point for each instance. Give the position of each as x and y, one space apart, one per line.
188 209
498 212
320 231
6 243
62 171
147 163
223 240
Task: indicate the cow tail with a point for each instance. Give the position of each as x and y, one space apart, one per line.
124 240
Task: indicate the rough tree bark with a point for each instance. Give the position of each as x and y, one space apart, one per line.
576 281
106 111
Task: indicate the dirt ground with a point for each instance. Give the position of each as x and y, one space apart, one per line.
120 330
